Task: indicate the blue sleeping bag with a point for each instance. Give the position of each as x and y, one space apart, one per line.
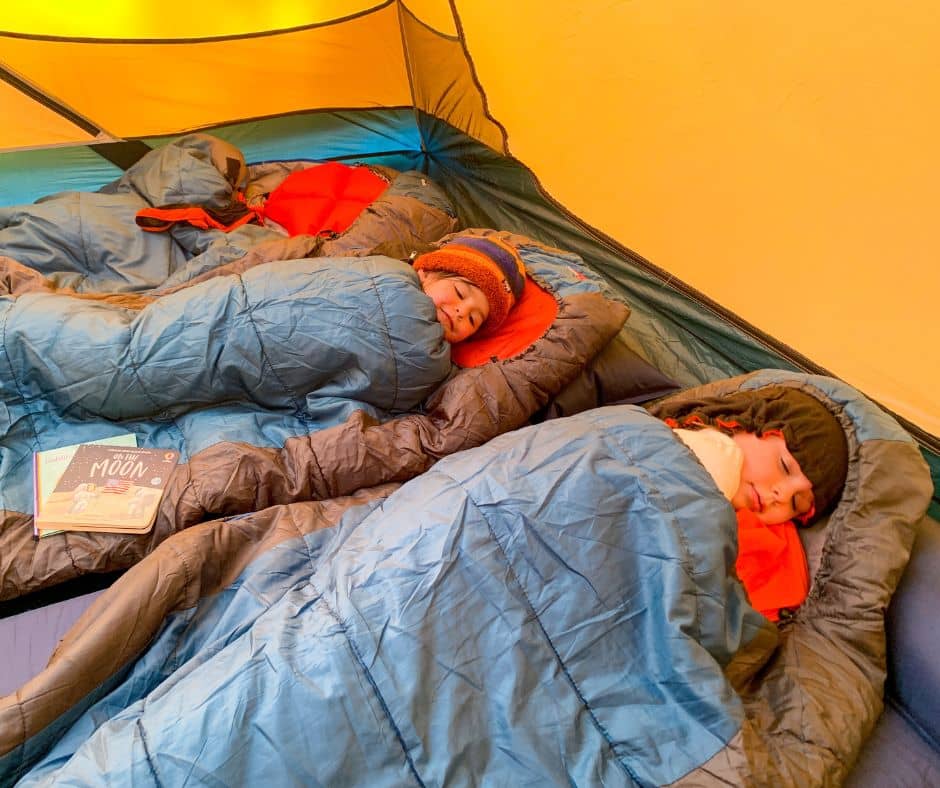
555 607
281 350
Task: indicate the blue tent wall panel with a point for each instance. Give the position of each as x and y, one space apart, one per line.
390 137
25 176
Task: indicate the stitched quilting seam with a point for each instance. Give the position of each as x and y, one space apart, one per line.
357 655
388 342
548 639
298 402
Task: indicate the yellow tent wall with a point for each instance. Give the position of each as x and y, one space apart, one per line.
153 85
780 158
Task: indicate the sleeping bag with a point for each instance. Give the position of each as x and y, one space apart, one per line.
90 242
558 606
555 607
281 338
285 381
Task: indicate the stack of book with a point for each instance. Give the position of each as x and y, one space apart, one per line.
106 485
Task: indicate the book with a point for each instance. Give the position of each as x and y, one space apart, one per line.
48 466
116 489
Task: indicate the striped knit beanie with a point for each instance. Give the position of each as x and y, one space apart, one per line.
492 265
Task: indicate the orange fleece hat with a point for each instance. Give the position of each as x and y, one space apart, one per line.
492 265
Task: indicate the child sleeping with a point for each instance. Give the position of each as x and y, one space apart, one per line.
288 336
779 456
473 282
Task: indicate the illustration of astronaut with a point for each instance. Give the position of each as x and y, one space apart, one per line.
83 495
139 502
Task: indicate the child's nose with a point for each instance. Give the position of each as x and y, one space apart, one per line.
789 486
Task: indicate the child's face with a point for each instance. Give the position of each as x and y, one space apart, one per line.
773 485
461 306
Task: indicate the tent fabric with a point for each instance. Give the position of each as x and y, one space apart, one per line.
37 124
740 150
205 80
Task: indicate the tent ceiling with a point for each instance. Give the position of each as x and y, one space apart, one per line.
126 88
780 158
153 19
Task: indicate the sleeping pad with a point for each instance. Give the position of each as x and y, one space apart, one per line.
555 607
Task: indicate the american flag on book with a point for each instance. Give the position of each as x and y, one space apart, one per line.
118 486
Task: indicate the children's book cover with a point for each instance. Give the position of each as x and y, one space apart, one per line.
48 466
109 488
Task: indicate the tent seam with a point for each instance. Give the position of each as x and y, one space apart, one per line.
50 102
426 25
476 80
406 54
